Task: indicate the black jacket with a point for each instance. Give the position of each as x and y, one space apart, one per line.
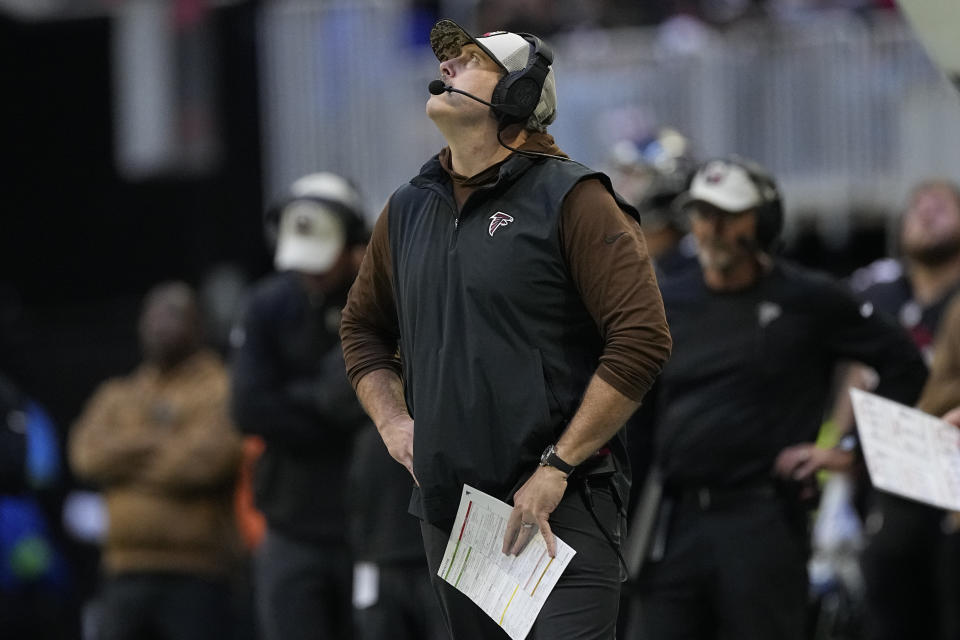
751 370
288 385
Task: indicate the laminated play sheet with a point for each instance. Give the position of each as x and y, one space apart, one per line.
908 452
510 589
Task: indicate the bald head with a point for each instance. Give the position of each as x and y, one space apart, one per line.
170 328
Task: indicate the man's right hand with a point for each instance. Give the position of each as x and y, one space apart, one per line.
381 394
800 461
397 434
953 417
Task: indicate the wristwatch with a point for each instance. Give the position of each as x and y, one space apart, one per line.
849 443
549 458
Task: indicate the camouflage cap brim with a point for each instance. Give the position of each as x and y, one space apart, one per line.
447 39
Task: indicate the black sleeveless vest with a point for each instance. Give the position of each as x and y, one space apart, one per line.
496 345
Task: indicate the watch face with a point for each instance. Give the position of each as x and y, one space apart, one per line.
546 454
551 459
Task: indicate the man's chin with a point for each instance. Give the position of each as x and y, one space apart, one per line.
717 260
443 113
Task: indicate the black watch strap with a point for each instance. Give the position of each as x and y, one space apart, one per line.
551 459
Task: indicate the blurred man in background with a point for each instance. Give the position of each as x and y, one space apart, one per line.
289 388
740 402
160 444
908 591
917 287
650 173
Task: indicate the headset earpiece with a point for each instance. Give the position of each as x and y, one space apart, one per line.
770 211
518 93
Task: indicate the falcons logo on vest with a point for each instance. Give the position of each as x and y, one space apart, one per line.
499 219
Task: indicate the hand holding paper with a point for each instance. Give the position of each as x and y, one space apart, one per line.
533 504
953 417
511 589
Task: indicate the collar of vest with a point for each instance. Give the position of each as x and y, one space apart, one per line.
433 172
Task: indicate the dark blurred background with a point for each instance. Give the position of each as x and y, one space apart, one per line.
87 229
80 242
114 179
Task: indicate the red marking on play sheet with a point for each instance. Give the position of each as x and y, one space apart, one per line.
533 573
465 518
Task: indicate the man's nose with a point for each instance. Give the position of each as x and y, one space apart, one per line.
447 68
716 221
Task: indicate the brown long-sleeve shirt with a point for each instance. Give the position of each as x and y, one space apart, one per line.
942 390
607 257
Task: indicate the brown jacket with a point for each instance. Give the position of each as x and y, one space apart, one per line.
162 448
942 391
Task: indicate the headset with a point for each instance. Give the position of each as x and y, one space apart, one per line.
517 94
770 211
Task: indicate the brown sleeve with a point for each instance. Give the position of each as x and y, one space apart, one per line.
108 443
608 261
369 329
942 390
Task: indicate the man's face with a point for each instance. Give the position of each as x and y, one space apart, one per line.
931 226
472 71
169 326
725 239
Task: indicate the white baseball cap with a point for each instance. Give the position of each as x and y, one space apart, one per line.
321 215
310 237
728 186
326 186
510 51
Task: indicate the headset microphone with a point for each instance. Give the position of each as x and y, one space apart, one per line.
436 87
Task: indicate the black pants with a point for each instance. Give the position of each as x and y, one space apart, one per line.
582 606
38 614
406 608
901 569
733 571
303 591
156 606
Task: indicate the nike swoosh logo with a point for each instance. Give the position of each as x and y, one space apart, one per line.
613 238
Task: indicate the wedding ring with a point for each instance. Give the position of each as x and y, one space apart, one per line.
528 524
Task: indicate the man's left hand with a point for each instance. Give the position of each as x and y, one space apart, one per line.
532 505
